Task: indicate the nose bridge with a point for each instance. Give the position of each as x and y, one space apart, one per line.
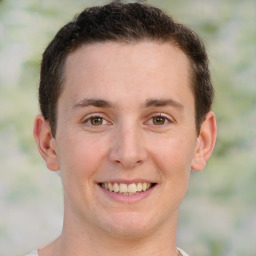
128 148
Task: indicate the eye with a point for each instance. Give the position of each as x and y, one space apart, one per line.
159 120
95 121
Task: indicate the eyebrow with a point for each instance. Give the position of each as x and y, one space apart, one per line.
100 103
93 102
163 103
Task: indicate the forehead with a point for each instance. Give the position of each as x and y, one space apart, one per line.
113 69
152 54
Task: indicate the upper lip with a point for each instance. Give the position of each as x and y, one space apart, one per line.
125 181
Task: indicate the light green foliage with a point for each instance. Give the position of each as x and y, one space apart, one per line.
218 214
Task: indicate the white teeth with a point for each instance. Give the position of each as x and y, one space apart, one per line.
144 186
132 188
110 187
139 187
126 189
123 188
116 188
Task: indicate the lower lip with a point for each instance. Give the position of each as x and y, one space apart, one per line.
127 198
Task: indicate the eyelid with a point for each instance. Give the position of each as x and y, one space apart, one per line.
169 118
95 115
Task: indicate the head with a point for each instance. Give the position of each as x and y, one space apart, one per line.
125 95
123 23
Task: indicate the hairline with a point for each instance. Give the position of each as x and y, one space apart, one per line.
128 41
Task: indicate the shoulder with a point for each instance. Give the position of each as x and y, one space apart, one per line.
182 252
33 253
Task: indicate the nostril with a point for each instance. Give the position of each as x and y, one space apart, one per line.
127 153
128 163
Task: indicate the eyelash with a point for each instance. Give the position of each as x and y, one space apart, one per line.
160 115
88 121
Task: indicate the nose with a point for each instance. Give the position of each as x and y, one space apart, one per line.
128 148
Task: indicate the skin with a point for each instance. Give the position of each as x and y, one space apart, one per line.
140 97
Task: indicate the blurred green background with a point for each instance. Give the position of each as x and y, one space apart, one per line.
218 216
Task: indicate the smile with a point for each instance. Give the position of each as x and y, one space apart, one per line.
127 189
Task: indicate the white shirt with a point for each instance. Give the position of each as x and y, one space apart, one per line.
35 253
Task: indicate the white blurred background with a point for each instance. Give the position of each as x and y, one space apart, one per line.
218 216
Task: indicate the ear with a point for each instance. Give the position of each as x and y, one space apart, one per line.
205 142
45 142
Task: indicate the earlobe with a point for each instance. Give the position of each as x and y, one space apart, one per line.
45 142
205 142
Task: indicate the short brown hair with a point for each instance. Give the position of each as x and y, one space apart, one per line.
126 23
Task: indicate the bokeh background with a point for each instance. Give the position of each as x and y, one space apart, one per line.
218 216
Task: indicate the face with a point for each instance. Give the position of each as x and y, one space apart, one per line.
126 138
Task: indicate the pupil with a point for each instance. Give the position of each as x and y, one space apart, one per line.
96 121
159 120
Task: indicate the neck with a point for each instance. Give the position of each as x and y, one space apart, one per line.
79 237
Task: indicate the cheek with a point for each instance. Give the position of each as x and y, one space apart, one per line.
80 156
80 160
173 157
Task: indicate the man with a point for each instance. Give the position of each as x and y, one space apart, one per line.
125 96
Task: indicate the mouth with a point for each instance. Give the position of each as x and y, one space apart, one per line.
127 189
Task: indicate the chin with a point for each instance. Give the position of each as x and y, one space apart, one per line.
130 224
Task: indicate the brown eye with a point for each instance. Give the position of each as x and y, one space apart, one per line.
159 120
96 120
